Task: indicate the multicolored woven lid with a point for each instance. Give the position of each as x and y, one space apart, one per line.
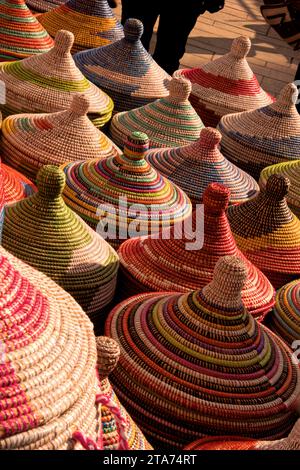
292 442
30 141
42 231
199 364
125 70
91 21
50 391
256 139
47 83
16 186
44 5
123 195
226 85
169 122
268 233
285 317
185 260
21 35
292 171
196 165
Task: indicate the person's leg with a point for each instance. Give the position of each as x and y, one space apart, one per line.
144 10
174 28
297 83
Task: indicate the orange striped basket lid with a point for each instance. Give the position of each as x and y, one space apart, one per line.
92 22
185 260
46 83
256 139
30 141
168 122
198 364
226 85
268 233
21 35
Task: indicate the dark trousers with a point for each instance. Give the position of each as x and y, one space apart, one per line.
174 27
297 77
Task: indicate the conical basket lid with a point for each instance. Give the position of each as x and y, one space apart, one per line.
47 83
21 35
91 21
193 167
30 141
169 122
268 233
121 189
226 85
185 260
198 364
125 70
256 139
44 5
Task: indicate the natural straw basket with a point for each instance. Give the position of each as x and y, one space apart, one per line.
42 231
91 21
256 139
226 85
292 171
30 141
125 70
192 167
198 364
268 233
292 442
109 188
21 35
169 122
186 259
46 83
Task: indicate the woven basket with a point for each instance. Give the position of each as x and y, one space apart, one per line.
186 262
226 85
268 233
256 139
292 442
192 167
46 83
125 70
292 171
30 141
169 122
285 317
49 387
44 5
112 190
91 21
42 231
197 364
21 35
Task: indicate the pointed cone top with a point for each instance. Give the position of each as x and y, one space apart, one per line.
133 29
216 198
240 47
51 181
136 146
277 187
179 89
287 98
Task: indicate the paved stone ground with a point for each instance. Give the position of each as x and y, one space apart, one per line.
273 61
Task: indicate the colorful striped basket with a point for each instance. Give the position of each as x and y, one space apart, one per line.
169 122
185 261
192 167
30 141
44 5
198 364
125 70
226 85
268 233
91 21
111 194
42 231
21 35
285 317
51 397
46 83
292 171
256 139
292 442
